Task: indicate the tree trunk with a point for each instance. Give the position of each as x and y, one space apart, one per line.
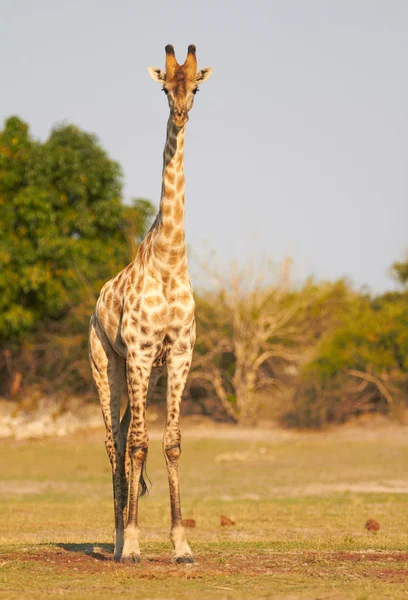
244 383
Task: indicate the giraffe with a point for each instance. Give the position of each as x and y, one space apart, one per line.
144 323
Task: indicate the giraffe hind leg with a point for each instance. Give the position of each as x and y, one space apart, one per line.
108 370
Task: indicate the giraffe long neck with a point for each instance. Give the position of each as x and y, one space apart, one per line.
169 243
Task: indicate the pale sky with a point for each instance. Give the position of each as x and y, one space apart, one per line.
297 144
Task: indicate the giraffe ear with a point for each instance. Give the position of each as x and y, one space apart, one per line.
203 75
157 74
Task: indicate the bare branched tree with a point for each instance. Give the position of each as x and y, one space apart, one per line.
249 333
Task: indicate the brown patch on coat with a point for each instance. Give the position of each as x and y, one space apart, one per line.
170 177
167 229
179 212
169 193
178 237
180 183
176 313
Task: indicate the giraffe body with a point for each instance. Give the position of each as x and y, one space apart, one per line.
143 323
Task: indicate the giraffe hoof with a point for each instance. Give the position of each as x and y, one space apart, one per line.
131 559
187 559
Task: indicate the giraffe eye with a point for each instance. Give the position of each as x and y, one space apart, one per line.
165 91
195 90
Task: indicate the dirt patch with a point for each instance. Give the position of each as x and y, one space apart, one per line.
389 575
160 566
391 567
399 557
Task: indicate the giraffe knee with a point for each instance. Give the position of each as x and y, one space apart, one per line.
138 454
172 452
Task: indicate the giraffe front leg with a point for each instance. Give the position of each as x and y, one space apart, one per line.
138 372
178 367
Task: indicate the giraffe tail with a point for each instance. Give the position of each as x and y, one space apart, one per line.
143 487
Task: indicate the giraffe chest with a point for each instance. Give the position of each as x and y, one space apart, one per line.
157 323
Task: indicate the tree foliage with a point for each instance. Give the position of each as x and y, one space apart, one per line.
324 349
254 336
64 229
360 365
400 271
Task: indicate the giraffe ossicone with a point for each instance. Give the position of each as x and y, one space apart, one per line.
144 323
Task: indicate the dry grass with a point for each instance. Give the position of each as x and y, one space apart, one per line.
299 501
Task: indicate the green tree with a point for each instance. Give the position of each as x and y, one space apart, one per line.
63 227
360 364
400 271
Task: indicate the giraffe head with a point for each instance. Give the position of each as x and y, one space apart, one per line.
180 83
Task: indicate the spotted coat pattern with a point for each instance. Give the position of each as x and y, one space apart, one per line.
143 323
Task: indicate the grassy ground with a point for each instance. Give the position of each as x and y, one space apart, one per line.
299 501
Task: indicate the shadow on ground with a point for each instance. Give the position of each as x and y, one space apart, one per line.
98 551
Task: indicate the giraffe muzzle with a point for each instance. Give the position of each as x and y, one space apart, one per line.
179 118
